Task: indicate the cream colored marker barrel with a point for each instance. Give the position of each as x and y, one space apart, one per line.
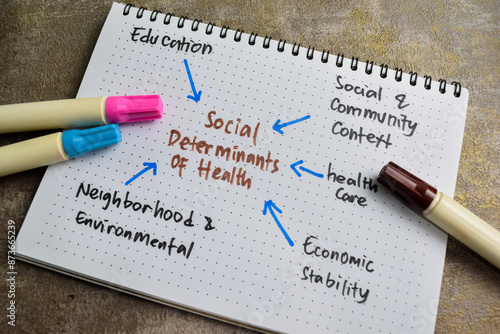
60 114
32 153
466 227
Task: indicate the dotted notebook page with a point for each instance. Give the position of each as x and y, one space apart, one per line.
264 209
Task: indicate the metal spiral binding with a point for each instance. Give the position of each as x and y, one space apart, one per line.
210 28
383 70
281 45
442 86
428 81
413 78
140 12
194 26
399 74
154 14
369 67
180 23
237 35
223 32
310 53
267 42
251 39
167 18
458 88
126 10
340 60
354 64
325 55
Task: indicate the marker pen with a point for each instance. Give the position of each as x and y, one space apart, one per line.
56 147
443 211
83 112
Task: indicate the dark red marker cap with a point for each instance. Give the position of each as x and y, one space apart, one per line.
411 190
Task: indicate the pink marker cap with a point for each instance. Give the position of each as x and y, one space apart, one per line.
125 109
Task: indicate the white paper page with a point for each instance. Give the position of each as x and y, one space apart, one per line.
195 234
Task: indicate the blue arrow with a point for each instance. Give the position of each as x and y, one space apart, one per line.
196 95
300 162
277 126
148 165
269 205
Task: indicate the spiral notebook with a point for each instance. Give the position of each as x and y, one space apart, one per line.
254 199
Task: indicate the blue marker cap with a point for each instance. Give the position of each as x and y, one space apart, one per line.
79 142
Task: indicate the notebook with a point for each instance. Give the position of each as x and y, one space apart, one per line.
254 199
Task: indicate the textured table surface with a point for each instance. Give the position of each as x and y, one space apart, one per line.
45 47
